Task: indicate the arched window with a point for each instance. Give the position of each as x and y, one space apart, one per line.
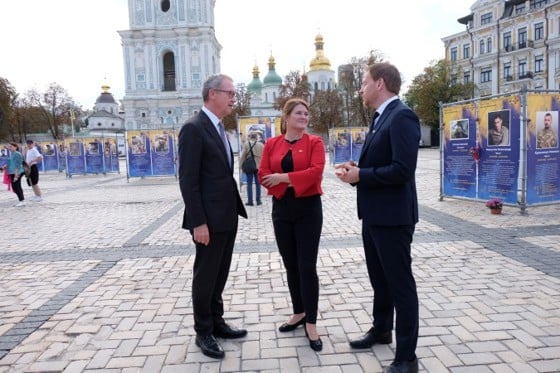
165 5
169 72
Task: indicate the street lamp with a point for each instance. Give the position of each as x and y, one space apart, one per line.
72 121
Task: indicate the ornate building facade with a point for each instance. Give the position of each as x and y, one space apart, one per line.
507 45
264 93
168 52
105 115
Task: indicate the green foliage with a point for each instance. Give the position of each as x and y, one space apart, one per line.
433 86
8 97
325 111
240 109
295 85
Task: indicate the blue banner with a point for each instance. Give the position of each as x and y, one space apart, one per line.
460 151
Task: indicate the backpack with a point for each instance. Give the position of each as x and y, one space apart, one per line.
249 165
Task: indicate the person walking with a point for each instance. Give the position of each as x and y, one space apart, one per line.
252 148
33 157
388 207
291 169
14 168
212 206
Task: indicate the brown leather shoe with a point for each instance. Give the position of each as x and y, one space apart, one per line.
371 338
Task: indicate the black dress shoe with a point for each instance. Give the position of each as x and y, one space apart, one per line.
289 327
372 337
316 345
227 332
259 203
403 367
209 346
249 204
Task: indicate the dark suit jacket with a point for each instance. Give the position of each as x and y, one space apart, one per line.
387 188
207 184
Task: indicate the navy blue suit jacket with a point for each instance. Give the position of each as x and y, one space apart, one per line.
206 180
387 188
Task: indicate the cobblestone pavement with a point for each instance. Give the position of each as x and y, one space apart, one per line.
97 279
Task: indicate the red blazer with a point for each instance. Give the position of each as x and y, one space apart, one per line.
309 162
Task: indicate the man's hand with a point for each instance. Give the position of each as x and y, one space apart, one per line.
348 172
201 234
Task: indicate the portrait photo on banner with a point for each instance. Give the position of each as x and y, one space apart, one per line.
498 128
547 130
459 129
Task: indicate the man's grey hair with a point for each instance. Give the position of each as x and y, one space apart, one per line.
213 82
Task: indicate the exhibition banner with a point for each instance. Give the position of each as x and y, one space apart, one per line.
499 157
460 150
543 154
151 153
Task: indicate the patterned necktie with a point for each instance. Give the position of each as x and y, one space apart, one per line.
225 141
372 125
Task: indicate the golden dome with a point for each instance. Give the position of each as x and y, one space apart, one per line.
320 62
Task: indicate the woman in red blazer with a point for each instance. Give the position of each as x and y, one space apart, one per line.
291 169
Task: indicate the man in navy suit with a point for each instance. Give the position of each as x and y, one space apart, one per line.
388 207
212 207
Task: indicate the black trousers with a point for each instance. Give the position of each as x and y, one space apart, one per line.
297 226
16 186
34 175
389 264
210 273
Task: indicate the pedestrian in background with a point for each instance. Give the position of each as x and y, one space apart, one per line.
33 157
14 168
212 206
388 207
252 147
292 169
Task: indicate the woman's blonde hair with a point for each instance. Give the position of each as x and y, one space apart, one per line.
288 108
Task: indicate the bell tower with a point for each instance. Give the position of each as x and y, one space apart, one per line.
168 52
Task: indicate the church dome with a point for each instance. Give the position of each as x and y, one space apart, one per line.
256 85
272 78
106 97
319 62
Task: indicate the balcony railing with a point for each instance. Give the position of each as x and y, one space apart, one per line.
525 75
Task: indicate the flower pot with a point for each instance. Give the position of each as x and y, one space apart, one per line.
496 211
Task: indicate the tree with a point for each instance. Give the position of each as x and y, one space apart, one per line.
350 84
436 84
325 111
240 109
8 96
295 85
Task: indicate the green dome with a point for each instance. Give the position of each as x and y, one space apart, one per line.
256 85
272 78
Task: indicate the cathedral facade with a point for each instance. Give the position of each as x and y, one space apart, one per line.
168 52
263 93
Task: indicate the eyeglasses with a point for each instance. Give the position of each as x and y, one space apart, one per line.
231 94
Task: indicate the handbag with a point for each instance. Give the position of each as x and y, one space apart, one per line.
249 165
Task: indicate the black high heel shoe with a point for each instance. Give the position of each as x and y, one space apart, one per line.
289 327
316 345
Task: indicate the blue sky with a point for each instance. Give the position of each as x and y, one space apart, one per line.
76 44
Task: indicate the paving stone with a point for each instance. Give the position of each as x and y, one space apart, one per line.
115 296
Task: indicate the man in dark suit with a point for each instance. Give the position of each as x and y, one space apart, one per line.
388 207
212 207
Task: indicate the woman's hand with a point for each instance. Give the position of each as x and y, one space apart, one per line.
271 180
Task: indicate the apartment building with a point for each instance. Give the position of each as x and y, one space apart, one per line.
506 45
